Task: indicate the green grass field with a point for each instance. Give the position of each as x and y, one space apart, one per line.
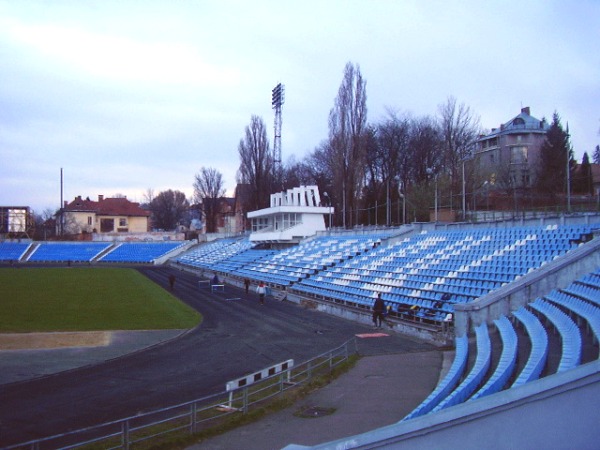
87 299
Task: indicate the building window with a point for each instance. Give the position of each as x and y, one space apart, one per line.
260 223
89 220
518 155
107 225
122 222
519 123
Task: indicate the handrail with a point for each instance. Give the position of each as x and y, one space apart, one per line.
192 415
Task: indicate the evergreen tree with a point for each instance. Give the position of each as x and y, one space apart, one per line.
596 156
582 180
551 175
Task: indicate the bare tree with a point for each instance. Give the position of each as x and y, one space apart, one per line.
297 173
256 164
426 145
208 190
426 164
347 127
148 196
459 128
168 208
392 158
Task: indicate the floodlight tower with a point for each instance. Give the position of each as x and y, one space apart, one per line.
277 99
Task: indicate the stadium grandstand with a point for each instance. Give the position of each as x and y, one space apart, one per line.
519 303
428 275
89 252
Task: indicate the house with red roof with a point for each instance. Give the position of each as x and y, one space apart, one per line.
106 215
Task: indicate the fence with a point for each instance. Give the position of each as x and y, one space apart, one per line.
194 416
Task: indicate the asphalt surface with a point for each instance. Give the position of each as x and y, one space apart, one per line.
380 390
236 337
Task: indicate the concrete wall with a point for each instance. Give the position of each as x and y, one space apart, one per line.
418 330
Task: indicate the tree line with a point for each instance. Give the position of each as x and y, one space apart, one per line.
390 171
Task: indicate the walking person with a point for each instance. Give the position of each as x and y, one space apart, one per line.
247 285
262 290
378 311
172 281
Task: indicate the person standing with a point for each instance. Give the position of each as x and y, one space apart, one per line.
262 290
172 281
378 311
247 285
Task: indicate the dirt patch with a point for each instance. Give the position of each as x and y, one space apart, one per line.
26 341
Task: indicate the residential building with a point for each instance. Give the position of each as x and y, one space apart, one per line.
107 215
508 156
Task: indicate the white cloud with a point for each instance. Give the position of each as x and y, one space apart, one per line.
127 96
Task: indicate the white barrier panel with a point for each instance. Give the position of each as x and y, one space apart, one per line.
257 376
203 284
217 287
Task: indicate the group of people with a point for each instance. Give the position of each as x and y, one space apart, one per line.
261 289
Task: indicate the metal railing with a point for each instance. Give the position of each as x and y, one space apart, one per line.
194 416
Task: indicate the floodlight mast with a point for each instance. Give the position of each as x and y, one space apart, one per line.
277 99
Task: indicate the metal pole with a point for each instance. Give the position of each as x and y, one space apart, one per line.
568 183
387 203
464 196
436 199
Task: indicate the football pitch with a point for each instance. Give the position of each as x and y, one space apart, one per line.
87 299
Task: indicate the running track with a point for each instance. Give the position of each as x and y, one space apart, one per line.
236 337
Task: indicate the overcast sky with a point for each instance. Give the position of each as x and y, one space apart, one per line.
131 95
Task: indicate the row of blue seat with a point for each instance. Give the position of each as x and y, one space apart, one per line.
13 251
585 310
68 251
507 362
539 347
569 332
140 252
444 387
475 375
